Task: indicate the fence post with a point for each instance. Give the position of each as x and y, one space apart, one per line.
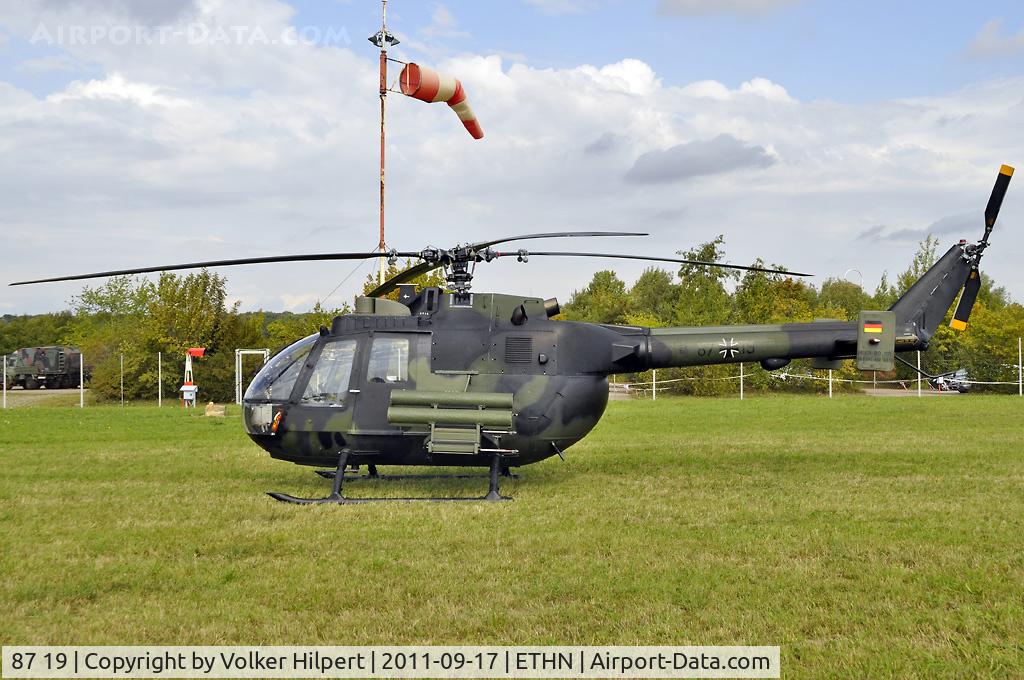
81 380
1020 370
741 381
654 385
830 383
919 373
159 379
5 379
122 380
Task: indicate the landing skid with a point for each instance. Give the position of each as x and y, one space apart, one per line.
354 476
339 477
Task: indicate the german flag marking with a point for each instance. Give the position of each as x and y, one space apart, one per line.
957 324
1006 170
872 327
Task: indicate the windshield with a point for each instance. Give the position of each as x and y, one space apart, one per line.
274 382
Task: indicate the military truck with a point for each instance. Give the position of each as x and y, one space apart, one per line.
52 367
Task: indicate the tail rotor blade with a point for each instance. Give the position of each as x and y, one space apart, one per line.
995 201
966 302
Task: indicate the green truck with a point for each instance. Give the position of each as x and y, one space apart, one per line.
52 367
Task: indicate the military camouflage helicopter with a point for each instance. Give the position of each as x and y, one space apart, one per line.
457 378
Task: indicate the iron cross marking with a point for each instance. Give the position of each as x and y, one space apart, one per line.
730 348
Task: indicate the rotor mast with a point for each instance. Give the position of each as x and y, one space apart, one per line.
382 39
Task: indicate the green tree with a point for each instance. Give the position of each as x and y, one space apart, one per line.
703 298
652 297
988 347
33 330
109 322
886 294
603 301
843 296
288 328
773 298
923 260
131 320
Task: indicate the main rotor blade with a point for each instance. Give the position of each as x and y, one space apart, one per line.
408 275
660 259
996 199
555 234
220 263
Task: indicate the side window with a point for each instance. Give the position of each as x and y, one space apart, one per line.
328 384
389 360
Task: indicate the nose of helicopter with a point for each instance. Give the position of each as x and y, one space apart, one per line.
269 391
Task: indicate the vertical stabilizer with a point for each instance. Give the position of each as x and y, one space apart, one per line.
924 306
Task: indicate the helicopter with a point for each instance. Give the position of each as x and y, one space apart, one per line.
957 380
452 377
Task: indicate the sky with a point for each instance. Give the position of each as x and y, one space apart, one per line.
827 137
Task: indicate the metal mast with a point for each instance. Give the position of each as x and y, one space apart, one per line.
382 39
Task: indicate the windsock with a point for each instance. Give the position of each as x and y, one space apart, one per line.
426 84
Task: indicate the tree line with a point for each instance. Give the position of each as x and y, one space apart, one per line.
135 318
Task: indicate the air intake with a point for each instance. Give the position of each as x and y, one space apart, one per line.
518 350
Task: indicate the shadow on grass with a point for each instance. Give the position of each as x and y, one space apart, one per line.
423 481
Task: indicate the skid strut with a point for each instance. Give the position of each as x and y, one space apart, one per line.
497 470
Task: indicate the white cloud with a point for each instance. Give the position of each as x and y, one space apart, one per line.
706 7
181 153
630 76
115 87
50 64
145 11
990 41
566 6
443 24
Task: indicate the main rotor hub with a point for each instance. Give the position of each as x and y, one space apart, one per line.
457 264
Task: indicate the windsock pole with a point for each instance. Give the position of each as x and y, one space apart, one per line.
383 97
382 39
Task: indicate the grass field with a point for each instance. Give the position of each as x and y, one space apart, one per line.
867 537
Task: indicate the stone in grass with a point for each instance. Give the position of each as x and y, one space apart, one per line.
216 410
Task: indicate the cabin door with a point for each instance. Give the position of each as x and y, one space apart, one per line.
393 361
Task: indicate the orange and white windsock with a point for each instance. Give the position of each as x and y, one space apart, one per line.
426 84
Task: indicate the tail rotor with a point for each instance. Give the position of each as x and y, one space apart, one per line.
972 285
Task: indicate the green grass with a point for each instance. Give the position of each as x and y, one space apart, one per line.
867 537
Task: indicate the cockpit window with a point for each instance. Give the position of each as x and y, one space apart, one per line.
389 360
274 382
328 384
